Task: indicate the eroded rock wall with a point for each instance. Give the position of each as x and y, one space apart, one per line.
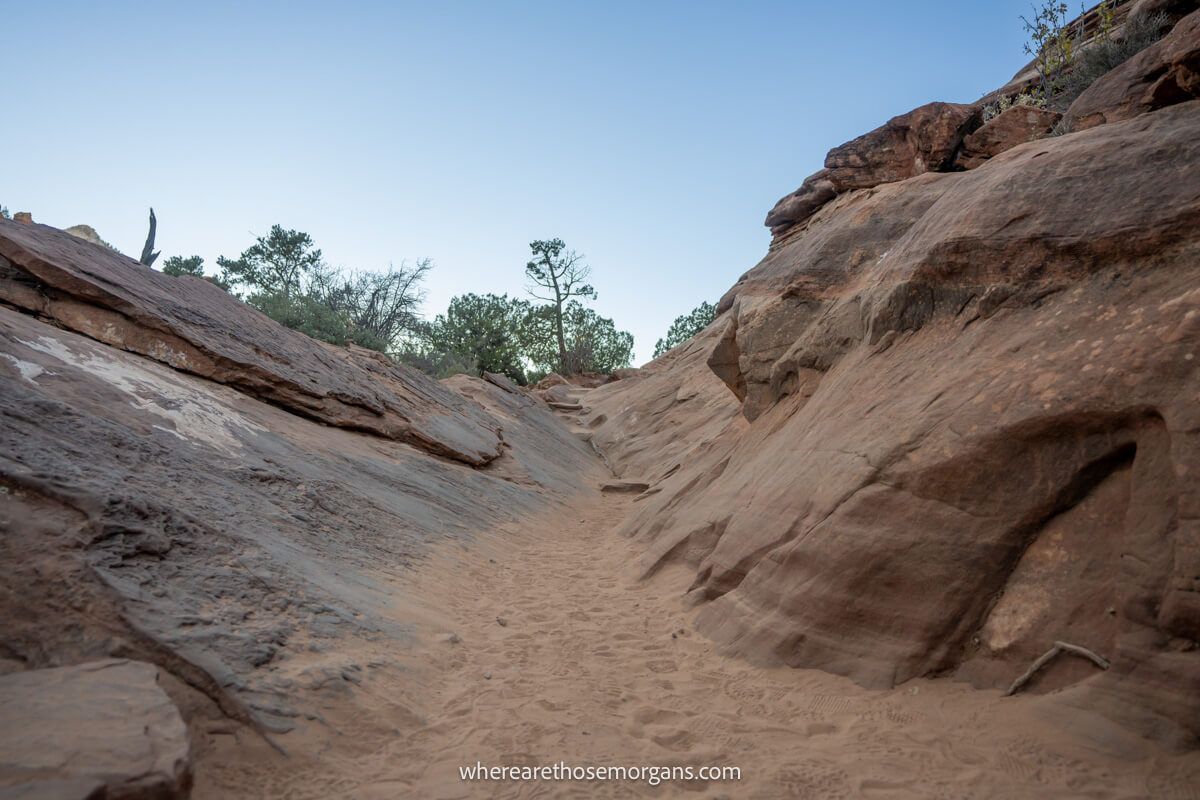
972 414
185 483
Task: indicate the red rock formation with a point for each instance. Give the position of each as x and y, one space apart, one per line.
1013 126
925 139
973 402
219 529
1165 73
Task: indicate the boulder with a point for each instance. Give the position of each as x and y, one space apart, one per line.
193 326
102 729
816 191
503 381
88 234
925 139
1013 126
1165 73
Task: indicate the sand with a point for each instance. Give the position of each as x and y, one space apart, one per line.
540 645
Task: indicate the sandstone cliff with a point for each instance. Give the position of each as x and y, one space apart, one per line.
969 409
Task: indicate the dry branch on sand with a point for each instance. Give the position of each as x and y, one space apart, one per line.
1048 656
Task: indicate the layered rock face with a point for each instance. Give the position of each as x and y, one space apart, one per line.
971 426
187 484
193 326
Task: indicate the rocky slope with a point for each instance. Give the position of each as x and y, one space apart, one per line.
969 409
184 482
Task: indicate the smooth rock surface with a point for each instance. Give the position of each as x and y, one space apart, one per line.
98 729
148 512
972 405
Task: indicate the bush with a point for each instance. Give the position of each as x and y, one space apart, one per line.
993 110
1105 54
593 343
485 332
685 327
286 277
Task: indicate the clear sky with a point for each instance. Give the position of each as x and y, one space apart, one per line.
652 136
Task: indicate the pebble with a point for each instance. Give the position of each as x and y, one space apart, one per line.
502 622
487 676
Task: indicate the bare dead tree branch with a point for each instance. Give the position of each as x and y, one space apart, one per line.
149 254
1048 656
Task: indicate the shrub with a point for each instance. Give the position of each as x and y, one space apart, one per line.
685 327
1105 54
993 110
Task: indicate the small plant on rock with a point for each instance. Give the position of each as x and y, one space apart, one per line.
993 110
1050 43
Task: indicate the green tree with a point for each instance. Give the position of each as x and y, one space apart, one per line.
559 275
685 327
180 265
485 332
1051 44
4 213
192 266
284 275
279 263
592 343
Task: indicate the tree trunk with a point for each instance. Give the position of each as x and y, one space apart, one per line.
558 330
149 254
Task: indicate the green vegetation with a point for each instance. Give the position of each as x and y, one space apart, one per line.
178 265
1107 53
993 110
482 333
1050 43
560 275
590 342
285 276
685 327
1067 62
4 213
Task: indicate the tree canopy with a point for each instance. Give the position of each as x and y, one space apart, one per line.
685 327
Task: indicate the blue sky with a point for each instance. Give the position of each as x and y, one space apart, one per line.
651 136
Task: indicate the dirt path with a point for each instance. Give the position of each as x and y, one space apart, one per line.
539 646
593 668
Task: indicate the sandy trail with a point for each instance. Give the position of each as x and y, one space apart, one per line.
595 668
